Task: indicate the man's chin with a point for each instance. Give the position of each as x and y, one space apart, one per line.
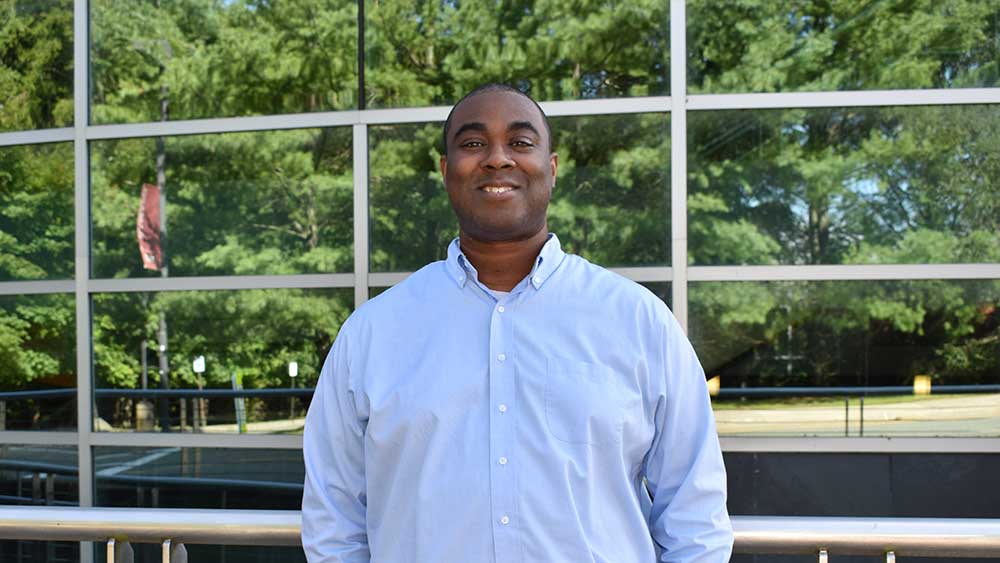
497 233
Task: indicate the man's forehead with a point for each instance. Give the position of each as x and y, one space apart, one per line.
508 107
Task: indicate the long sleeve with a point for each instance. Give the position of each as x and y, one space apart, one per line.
334 502
684 467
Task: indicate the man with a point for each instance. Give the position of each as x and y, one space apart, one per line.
507 404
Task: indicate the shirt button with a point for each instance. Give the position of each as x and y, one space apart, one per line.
502 408
504 520
500 309
536 279
503 461
502 357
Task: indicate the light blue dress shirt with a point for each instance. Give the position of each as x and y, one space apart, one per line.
453 426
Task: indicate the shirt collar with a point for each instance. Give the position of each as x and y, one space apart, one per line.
461 269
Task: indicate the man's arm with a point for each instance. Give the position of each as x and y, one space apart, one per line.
334 498
684 467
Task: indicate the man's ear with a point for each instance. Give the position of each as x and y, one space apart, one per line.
554 162
444 164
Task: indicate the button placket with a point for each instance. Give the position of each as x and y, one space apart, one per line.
502 428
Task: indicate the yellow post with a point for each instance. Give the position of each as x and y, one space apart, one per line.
921 385
713 386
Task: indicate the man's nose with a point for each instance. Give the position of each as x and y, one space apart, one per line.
498 157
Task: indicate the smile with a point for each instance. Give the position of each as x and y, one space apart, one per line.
497 189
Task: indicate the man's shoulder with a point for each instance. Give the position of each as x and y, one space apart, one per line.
415 288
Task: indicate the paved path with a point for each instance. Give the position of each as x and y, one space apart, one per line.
968 415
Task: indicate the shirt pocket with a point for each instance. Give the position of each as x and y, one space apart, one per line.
582 402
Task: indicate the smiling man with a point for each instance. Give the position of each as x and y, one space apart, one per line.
512 403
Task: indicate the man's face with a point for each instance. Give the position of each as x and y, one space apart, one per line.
499 169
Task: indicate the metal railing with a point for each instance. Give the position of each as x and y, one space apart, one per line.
117 528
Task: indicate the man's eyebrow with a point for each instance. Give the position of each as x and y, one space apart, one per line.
515 125
473 126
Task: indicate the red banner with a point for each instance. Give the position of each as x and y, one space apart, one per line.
147 227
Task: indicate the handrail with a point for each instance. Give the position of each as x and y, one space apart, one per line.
912 537
915 537
152 525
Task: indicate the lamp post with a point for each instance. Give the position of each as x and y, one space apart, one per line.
199 406
293 372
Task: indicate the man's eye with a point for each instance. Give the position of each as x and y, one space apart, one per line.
473 144
522 143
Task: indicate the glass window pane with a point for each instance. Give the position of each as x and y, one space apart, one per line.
890 339
431 53
247 339
203 478
661 290
185 60
274 202
610 203
36 212
37 362
812 45
36 74
33 475
895 185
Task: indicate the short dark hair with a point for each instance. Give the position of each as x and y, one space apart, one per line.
493 87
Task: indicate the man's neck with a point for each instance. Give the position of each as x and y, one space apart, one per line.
502 265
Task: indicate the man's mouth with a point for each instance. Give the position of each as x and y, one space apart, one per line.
497 189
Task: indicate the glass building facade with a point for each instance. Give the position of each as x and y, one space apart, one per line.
194 195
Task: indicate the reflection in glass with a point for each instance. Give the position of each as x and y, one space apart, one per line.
37 362
36 74
275 202
856 334
857 186
34 475
202 478
248 340
610 204
411 219
36 212
431 53
196 59
766 46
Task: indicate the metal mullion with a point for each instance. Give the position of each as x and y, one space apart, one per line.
224 125
181 440
222 283
863 98
81 207
678 161
881 444
37 287
38 136
914 272
38 438
361 230
646 274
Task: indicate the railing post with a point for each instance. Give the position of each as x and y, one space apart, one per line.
847 416
174 552
823 556
890 557
120 552
861 428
